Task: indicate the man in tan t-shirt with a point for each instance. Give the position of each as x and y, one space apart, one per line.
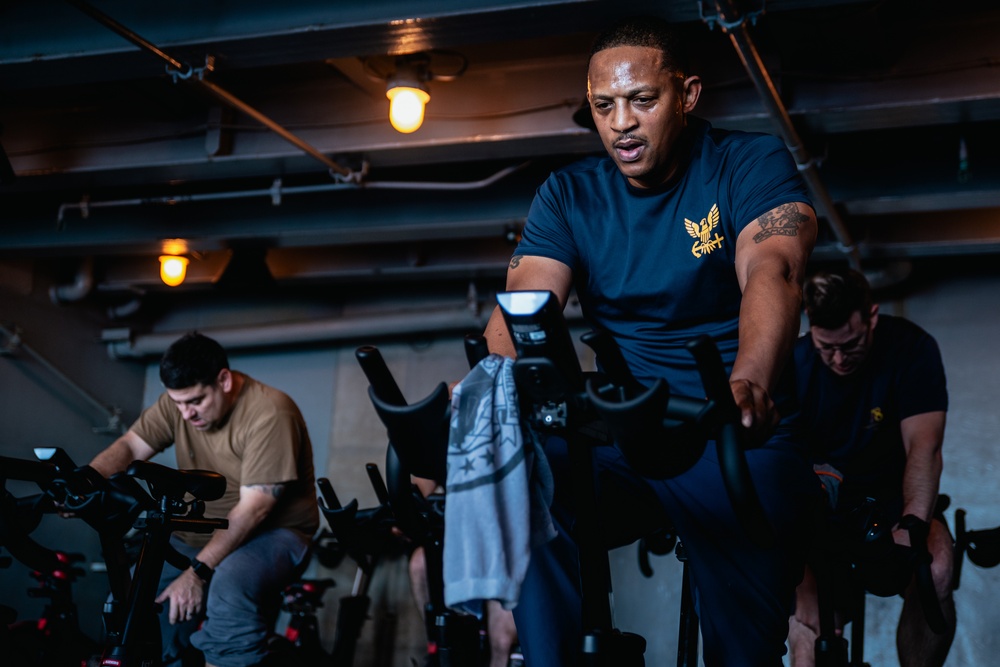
254 435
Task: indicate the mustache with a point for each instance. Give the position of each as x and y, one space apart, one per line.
625 137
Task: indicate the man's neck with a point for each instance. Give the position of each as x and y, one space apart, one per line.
239 381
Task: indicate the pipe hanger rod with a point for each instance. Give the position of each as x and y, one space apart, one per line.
735 25
185 71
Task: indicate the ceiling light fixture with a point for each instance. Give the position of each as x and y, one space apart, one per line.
173 263
407 92
406 85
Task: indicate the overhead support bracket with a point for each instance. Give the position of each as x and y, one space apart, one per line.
711 15
734 23
180 70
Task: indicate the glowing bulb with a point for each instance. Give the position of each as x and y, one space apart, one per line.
406 108
173 269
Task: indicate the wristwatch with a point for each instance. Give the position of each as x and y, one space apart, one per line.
202 571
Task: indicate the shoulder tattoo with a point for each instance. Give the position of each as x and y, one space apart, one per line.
271 489
784 220
515 261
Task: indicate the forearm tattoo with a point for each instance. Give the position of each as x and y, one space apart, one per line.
273 489
782 221
515 261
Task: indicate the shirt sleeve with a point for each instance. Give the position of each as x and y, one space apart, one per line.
547 231
763 176
156 424
922 383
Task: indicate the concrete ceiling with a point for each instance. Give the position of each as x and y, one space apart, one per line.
106 152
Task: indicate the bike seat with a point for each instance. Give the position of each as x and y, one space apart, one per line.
172 483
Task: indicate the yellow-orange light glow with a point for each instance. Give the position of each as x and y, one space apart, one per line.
173 269
406 108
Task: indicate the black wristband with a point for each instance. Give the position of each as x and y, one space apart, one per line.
202 571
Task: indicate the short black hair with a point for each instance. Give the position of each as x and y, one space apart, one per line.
832 296
191 360
649 31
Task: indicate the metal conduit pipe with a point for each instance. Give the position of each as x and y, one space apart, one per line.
79 288
314 331
125 309
185 71
463 319
735 26
277 191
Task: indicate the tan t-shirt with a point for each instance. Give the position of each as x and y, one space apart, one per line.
263 441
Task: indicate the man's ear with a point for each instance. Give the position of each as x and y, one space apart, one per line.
225 380
692 91
873 320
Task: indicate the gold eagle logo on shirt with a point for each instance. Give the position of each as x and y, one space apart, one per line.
701 232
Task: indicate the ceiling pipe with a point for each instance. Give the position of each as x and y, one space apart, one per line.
185 71
469 318
312 331
126 309
734 24
277 191
79 288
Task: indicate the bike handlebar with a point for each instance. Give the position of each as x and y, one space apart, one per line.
381 380
981 546
730 442
418 433
15 537
415 429
683 424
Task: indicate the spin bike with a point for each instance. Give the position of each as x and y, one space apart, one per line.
113 506
859 545
365 535
610 406
54 639
558 398
418 442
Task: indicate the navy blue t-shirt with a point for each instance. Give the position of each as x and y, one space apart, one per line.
853 421
656 267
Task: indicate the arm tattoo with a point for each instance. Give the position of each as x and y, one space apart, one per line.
782 221
274 489
515 261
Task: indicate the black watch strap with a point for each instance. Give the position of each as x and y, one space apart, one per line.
203 571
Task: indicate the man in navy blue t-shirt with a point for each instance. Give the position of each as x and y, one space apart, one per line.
681 229
873 396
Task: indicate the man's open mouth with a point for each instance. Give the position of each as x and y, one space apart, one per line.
629 151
